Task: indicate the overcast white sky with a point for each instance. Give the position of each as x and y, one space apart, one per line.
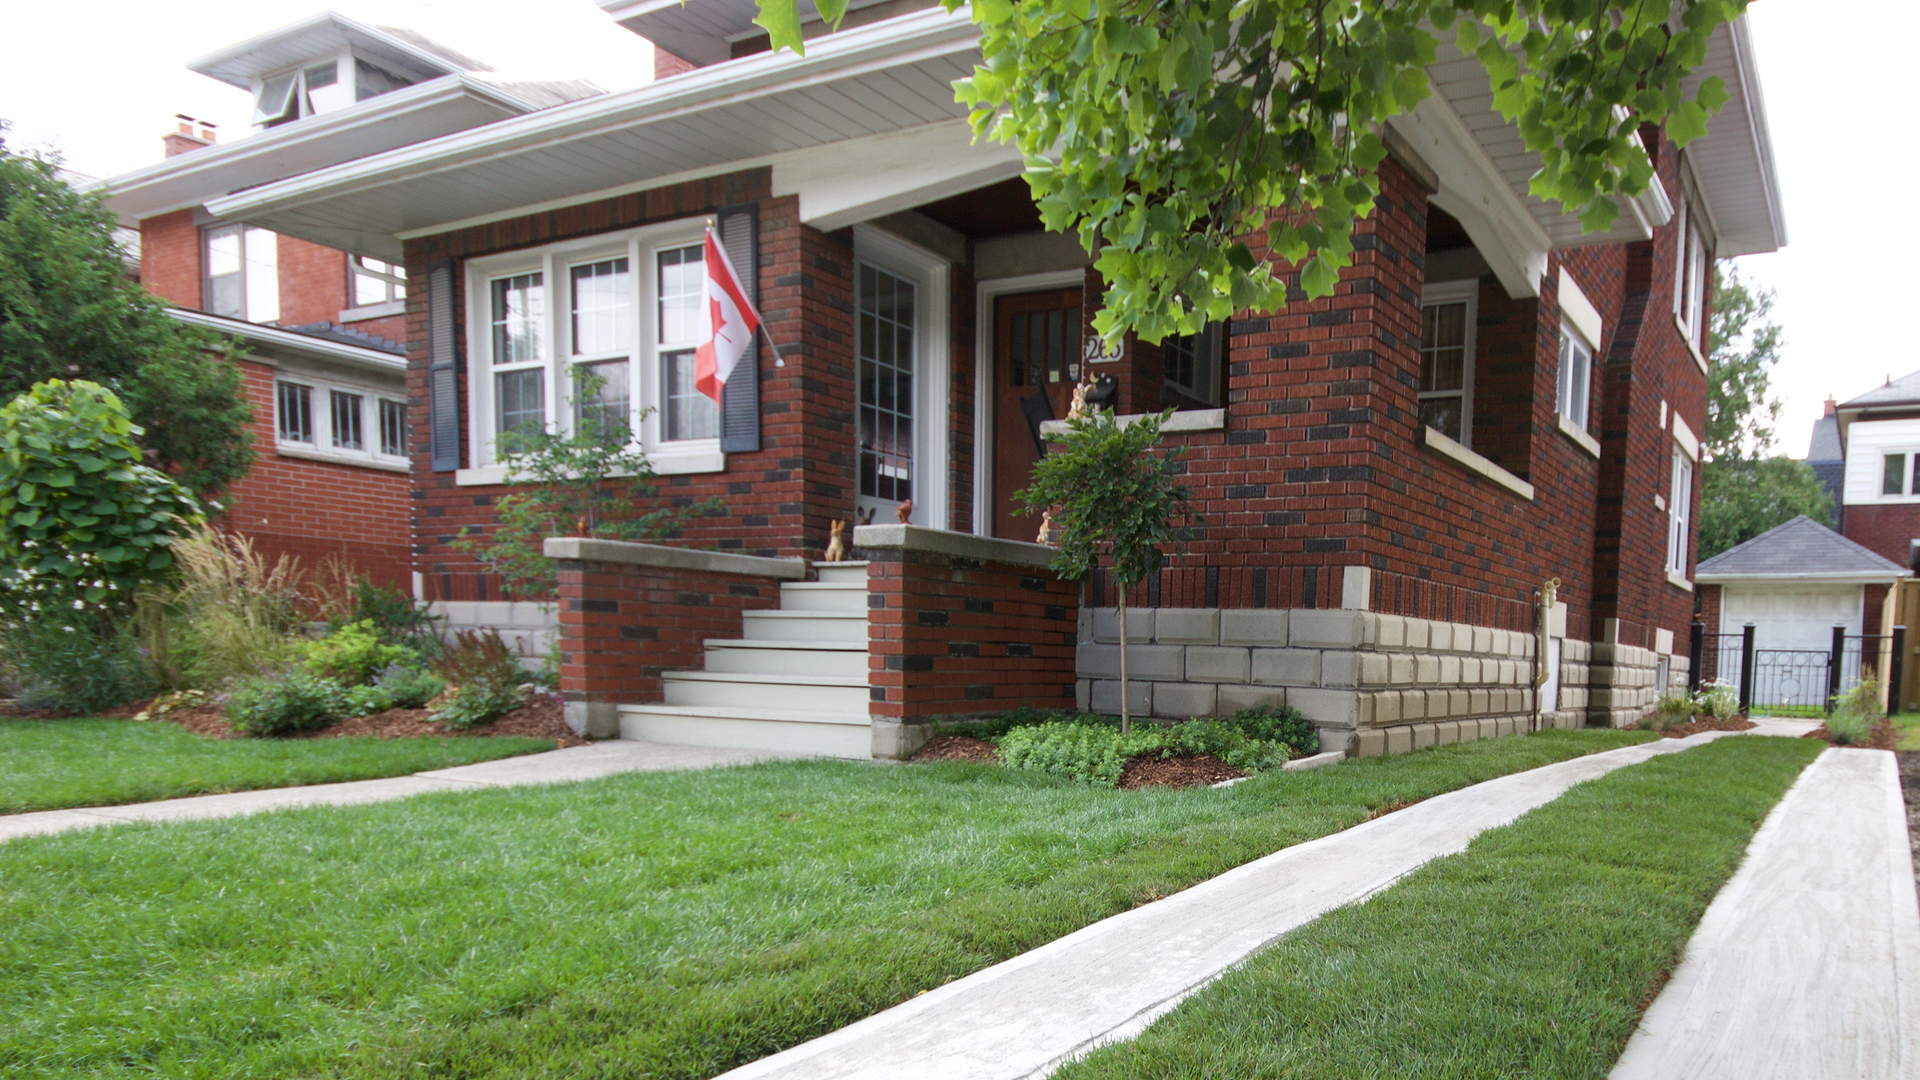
102 81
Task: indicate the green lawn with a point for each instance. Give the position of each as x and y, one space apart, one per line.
656 925
1906 731
1529 955
50 764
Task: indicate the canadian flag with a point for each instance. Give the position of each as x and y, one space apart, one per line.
731 323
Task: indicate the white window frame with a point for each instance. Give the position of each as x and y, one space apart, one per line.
930 274
1454 292
343 92
259 296
1679 511
391 276
1207 346
645 386
320 389
1574 392
1909 483
1693 239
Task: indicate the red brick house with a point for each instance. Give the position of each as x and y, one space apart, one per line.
1493 400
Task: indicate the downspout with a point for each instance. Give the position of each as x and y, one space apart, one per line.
1544 598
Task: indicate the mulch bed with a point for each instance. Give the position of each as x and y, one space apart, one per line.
1707 723
1883 737
1191 771
956 748
543 717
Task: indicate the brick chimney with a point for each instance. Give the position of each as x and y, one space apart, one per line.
188 134
1832 405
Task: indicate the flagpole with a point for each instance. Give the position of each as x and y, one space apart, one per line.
760 324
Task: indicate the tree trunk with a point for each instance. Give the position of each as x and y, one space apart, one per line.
1126 713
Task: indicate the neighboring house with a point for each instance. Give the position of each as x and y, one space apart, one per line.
1828 461
322 327
1494 404
1875 439
1795 584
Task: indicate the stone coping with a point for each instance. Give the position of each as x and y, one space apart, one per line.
957 544
1183 420
633 553
1475 463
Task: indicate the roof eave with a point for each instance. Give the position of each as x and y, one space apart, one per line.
294 341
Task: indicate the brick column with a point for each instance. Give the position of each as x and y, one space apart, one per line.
629 611
961 624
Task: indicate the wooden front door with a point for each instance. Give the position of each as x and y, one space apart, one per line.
1036 363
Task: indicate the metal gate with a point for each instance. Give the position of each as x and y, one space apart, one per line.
1798 680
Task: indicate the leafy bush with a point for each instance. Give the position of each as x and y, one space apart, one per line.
1718 700
993 725
398 618
484 679
277 705
352 654
228 613
1669 712
1097 753
71 661
1281 725
474 704
398 687
1855 713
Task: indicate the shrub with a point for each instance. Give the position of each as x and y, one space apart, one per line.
484 679
1669 712
1281 725
69 660
475 704
1855 712
1718 700
1097 753
409 687
993 725
277 705
228 613
352 654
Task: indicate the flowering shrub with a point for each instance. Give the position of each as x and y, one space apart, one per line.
1717 699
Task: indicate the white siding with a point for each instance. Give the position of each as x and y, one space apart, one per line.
1867 444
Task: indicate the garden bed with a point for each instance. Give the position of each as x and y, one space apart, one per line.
541 718
1708 723
1092 748
1191 770
1882 738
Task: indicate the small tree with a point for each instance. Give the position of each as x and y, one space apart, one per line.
1112 495
587 482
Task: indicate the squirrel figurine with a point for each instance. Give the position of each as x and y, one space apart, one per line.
837 545
905 512
1046 529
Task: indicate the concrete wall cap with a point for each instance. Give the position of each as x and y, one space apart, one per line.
958 544
632 553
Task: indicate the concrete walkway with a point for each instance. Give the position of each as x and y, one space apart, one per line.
1024 1017
1807 965
553 767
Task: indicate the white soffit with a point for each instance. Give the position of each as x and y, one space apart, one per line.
1733 161
701 31
885 77
409 115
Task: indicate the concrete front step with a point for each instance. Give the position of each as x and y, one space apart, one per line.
846 693
842 573
835 626
823 733
788 657
824 596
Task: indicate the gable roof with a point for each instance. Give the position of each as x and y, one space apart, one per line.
1800 549
1902 390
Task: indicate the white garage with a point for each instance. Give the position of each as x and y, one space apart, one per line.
1794 584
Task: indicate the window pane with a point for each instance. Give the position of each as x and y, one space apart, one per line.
321 75
519 400
393 428
519 310
225 292
884 355
368 290
601 403
681 289
1443 415
689 414
294 407
602 314
275 101
1893 472
1443 346
347 410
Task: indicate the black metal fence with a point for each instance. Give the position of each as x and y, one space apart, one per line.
1798 680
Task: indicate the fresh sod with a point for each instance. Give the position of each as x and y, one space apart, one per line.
51 764
657 925
1532 954
1906 731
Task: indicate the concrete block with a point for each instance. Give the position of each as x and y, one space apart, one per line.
1400 666
1232 698
1339 708
1183 700
894 740
1156 663
1489 728
1506 725
1469 730
1286 667
1334 740
1106 624
1340 667
1459 703
1446 733
1440 636
1386 707
1472 670
1187 626
1399 740
1217 663
1482 641
1083 694
1449 670
1419 631
1426 670
592 719
1390 631
1369 743
1093 660
1478 701
1356 587
1335 629
1253 627
1106 697
1413 705
1423 736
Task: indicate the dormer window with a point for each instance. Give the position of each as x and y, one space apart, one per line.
319 87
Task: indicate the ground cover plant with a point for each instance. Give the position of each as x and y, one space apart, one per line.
1105 751
662 925
52 764
1532 954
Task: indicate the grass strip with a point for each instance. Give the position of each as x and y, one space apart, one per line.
657 925
1532 954
53 764
1906 731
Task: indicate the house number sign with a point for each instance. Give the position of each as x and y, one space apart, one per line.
1095 351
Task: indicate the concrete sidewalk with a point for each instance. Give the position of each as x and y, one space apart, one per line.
1024 1017
553 767
1807 965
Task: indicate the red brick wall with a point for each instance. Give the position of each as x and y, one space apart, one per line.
1708 616
622 625
950 636
170 258
317 509
1888 530
1873 608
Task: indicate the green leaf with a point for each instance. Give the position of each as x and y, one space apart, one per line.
781 20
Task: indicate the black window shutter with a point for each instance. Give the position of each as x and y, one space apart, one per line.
443 385
740 401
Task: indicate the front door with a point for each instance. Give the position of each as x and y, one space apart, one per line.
1036 363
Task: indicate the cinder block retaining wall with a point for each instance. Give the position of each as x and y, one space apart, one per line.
1384 683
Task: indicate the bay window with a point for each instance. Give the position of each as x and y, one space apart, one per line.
350 412
613 350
